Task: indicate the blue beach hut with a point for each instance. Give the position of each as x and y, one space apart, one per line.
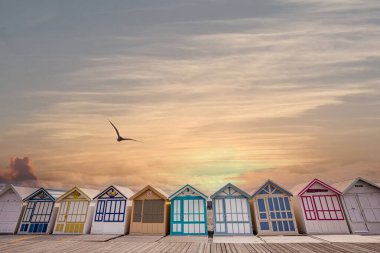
188 212
39 214
273 211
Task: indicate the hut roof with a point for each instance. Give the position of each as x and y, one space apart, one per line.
156 190
191 187
53 193
125 191
233 187
301 188
21 191
273 183
89 194
344 186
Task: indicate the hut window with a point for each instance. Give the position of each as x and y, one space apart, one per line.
114 211
308 208
28 212
264 224
42 211
137 211
99 210
153 211
328 208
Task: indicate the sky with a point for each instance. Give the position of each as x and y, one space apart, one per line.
218 91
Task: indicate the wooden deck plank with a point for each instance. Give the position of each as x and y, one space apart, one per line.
100 244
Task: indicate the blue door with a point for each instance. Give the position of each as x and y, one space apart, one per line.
188 216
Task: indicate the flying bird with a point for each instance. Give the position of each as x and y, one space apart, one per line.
119 137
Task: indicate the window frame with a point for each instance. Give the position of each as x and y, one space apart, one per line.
329 209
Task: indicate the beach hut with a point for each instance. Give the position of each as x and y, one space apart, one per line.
150 212
112 211
75 211
39 214
188 212
232 215
12 206
272 210
318 209
361 203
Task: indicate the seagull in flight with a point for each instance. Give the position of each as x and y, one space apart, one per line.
120 138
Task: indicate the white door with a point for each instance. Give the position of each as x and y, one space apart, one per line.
237 216
370 203
354 213
193 216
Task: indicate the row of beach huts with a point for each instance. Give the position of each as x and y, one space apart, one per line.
351 206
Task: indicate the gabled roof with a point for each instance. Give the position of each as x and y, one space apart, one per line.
53 194
158 191
301 188
125 191
183 188
344 186
89 194
272 183
22 192
233 187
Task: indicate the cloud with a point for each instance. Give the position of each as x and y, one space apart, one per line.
20 172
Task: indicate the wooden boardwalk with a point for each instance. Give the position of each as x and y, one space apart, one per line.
106 243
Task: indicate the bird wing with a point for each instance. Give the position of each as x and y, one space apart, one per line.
129 139
115 128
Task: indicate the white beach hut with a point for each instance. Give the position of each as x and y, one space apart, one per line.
232 215
273 211
75 212
112 211
361 202
39 214
318 209
12 206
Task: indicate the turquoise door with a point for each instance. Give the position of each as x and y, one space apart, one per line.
188 216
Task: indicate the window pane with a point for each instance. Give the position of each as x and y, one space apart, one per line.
287 204
263 216
137 211
291 226
261 205
264 225
274 226
270 203
280 228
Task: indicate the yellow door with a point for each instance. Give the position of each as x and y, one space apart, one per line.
72 216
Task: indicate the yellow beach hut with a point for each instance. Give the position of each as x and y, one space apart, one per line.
150 212
75 212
